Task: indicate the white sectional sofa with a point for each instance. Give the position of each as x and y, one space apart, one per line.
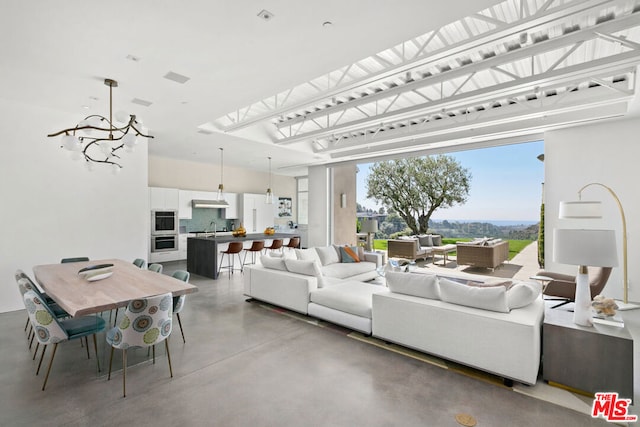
505 343
489 324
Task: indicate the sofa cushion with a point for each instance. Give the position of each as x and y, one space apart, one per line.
492 298
307 254
345 270
273 263
305 267
425 240
436 239
522 294
349 254
416 284
351 297
328 255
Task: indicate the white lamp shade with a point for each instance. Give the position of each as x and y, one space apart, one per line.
595 248
580 209
370 226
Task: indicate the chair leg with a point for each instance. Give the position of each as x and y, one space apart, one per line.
154 353
36 352
181 330
33 335
86 341
166 344
44 348
124 372
55 347
95 347
26 324
110 360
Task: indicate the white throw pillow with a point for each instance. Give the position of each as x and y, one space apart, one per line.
307 254
416 284
273 263
492 298
308 268
328 255
522 294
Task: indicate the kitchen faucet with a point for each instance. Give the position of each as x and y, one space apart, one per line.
215 226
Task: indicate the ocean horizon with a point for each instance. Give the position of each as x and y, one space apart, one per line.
498 222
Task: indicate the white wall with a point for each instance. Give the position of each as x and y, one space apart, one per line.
607 153
319 218
53 208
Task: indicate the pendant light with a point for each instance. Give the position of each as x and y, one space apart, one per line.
220 186
269 195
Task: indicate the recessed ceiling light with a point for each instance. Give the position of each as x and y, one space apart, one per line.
205 132
327 24
141 102
265 14
178 78
133 58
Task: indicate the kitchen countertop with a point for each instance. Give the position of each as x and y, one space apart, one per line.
253 236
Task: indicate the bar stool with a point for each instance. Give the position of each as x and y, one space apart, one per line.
275 244
256 246
234 248
294 242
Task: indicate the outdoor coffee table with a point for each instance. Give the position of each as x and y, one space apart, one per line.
443 250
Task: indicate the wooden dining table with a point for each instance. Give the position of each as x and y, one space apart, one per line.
79 296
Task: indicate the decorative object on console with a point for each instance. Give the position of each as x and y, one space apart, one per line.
102 148
96 272
370 226
269 195
239 232
604 306
596 248
592 209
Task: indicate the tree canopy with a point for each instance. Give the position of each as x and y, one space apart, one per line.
416 187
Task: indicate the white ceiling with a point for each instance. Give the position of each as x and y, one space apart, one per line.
55 55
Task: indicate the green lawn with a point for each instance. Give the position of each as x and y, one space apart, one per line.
515 246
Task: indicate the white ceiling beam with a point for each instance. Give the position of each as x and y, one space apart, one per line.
494 61
568 75
472 45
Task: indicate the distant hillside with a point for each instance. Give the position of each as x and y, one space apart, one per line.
484 229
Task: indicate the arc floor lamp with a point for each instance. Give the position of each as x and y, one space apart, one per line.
593 209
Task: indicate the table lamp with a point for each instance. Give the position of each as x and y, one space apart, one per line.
595 248
370 226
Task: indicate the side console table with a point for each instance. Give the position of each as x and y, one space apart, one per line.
597 359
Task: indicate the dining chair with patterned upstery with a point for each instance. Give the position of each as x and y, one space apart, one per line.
155 267
145 323
139 262
49 330
178 302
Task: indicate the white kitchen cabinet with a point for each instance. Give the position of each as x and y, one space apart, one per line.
164 198
164 256
232 211
184 210
256 214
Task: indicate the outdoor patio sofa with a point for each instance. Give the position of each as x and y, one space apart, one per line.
415 247
485 253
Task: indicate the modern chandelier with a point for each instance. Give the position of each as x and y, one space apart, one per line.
98 139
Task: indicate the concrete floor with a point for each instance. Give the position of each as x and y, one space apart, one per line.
244 365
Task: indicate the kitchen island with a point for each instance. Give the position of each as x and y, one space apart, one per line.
202 252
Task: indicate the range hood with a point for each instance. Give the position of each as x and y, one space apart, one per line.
209 204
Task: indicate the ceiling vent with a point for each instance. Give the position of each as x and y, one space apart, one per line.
141 102
178 78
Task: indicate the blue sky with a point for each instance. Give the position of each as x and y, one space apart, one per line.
506 184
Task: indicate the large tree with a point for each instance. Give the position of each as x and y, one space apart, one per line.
415 187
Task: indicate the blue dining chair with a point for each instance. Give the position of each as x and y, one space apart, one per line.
178 302
145 323
156 267
139 262
49 330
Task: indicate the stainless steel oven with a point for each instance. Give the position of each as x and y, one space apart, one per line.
164 243
164 222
